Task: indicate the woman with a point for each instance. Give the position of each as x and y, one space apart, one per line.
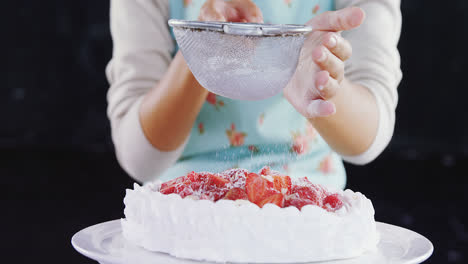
165 124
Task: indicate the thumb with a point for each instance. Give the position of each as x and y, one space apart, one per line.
343 19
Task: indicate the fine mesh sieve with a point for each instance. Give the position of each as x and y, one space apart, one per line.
242 61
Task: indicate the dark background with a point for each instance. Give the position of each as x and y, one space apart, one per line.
58 169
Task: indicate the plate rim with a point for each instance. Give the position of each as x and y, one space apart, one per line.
93 254
116 227
429 244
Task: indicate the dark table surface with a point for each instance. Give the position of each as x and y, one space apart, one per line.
50 195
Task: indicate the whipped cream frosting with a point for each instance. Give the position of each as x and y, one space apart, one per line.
240 231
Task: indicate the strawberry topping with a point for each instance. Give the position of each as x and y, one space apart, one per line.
236 194
265 187
277 199
332 202
258 188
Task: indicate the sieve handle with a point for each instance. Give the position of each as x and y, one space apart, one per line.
250 29
242 29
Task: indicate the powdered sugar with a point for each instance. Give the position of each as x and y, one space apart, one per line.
236 176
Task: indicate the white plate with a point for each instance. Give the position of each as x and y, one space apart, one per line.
104 243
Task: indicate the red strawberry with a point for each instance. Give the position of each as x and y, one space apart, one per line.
213 195
216 181
192 177
195 180
332 202
282 184
277 199
254 187
173 186
257 188
312 193
178 188
186 191
168 190
265 171
235 176
236 194
209 186
167 184
293 200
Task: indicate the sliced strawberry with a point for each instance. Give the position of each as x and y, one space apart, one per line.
214 180
207 186
212 194
265 171
277 199
258 188
178 188
312 193
332 202
282 184
186 191
192 177
173 186
196 186
236 194
306 182
235 176
167 184
168 190
294 200
254 187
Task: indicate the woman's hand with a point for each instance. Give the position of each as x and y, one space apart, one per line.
344 113
320 72
231 11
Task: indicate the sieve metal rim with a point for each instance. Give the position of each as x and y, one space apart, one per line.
245 29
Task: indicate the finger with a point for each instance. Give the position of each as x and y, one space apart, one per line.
209 12
248 10
320 108
327 86
343 19
337 45
328 62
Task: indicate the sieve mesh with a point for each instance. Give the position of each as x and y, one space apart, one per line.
240 66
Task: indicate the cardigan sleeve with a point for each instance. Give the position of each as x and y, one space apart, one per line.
375 64
141 55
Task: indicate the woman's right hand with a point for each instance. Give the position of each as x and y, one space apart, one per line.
231 11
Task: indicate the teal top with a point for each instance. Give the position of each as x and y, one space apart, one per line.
251 134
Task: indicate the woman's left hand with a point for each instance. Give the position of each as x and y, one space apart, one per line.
320 72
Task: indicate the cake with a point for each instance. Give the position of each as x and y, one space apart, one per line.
240 216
